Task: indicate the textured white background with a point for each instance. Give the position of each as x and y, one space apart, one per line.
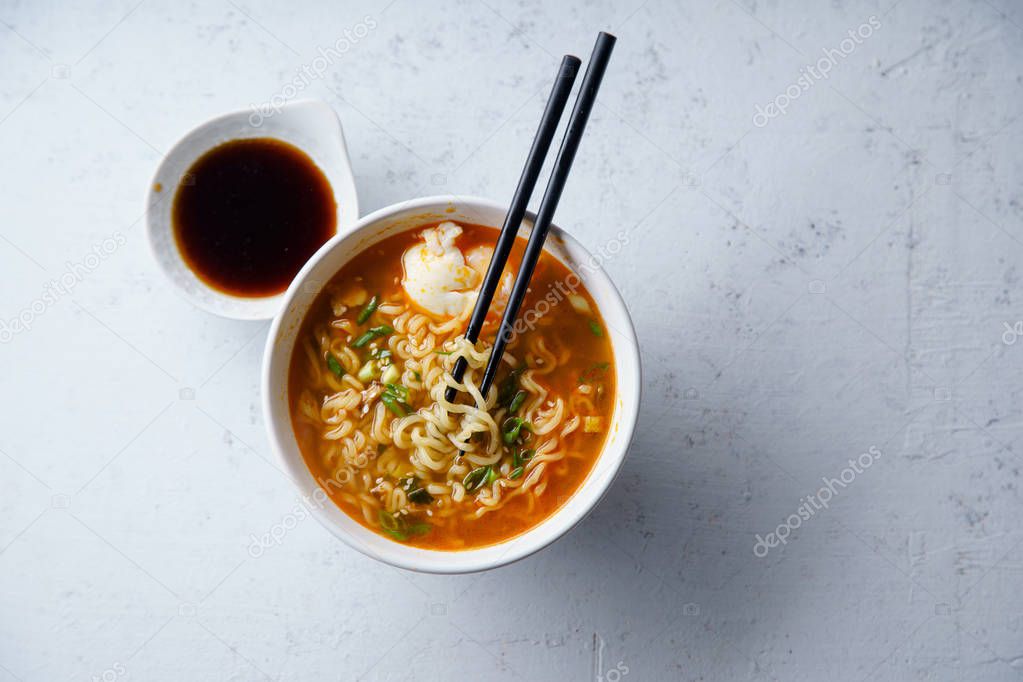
837 279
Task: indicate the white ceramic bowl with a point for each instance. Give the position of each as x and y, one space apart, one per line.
325 264
310 125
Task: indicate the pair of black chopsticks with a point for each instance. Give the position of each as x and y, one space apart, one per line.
537 153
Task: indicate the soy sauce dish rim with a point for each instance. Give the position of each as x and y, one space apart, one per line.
310 125
283 333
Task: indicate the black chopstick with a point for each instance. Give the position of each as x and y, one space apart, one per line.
527 181
562 165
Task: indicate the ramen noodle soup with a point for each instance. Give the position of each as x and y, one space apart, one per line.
371 366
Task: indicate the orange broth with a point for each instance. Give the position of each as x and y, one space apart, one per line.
591 359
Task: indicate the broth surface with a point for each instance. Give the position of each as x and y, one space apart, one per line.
581 339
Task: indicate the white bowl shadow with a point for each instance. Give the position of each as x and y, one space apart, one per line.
310 125
281 340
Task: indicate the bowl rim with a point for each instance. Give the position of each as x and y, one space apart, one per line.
457 561
222 303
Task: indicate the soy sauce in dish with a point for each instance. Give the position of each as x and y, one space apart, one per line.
249 213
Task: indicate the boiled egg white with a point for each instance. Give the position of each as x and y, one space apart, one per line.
436 276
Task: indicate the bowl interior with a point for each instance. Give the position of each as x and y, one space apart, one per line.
323 266
310 125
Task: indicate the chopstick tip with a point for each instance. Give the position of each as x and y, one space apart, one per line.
569 66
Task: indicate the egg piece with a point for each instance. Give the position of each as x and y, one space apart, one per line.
478 258
436 276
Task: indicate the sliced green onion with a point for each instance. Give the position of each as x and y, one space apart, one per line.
507 390
593 372
596 328
581 305
390 375
399 528
517 401
363 339
394 398
394 405
368 310
393 525
474 479
369 372
388 520
512 428
420 496
520 457
397 390
491 475
334 366
515 473
419 529
372 333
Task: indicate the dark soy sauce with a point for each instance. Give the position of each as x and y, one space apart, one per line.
250 213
